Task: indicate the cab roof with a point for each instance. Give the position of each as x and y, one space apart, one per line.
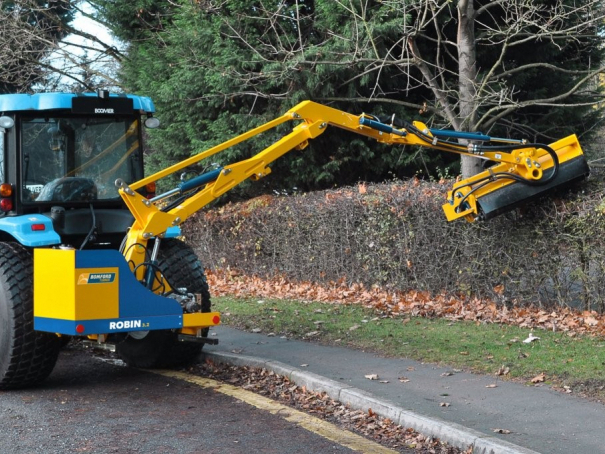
52 101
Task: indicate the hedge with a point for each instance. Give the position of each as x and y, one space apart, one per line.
395 236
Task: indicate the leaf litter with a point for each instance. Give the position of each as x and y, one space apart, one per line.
410 303
366 423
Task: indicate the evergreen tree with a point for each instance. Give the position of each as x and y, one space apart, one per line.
218 69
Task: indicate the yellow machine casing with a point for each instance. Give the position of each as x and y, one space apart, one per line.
95 292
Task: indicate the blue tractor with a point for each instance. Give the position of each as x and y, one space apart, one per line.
60 155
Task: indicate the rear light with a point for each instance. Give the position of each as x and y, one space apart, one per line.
6 190
6 200
38 227
6 204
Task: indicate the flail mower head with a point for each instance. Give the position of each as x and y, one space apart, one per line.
535 171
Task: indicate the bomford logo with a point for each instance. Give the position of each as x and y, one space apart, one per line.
96 278
100 110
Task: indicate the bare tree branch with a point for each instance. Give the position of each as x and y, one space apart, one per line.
35 55
553 101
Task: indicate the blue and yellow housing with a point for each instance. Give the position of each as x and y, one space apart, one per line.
94 292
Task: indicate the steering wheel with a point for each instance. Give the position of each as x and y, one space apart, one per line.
68 189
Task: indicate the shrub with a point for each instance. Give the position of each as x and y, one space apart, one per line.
395 236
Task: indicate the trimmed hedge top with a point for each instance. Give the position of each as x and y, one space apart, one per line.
395 236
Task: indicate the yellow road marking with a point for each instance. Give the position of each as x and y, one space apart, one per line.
308 422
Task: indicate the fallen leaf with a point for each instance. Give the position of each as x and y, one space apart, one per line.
383 381
464 353
257 330
503 370
353 328
403 379
492 386
447 374
304 365
502 431
372 377
444 404
539 378
531 338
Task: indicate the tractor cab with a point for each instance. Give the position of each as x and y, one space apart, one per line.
60 155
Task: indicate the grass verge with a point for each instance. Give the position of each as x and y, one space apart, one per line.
577 362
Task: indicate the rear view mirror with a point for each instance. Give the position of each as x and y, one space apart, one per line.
152 123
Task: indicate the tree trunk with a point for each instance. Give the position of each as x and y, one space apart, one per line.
467 76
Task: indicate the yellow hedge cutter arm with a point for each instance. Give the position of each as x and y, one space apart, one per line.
523 171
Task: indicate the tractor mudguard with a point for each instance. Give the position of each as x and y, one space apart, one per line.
32 230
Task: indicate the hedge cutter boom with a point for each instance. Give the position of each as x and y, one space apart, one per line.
521 170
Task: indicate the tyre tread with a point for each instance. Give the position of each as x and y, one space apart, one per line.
29 356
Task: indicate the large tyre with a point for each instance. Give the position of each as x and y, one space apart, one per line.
26 356
161 348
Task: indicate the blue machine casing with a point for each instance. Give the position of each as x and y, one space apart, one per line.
50 101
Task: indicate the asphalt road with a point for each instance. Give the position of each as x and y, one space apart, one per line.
91 406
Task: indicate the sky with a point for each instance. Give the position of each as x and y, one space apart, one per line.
90 26
70 54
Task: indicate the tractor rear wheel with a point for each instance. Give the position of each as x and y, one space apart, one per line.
27 357
181 268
